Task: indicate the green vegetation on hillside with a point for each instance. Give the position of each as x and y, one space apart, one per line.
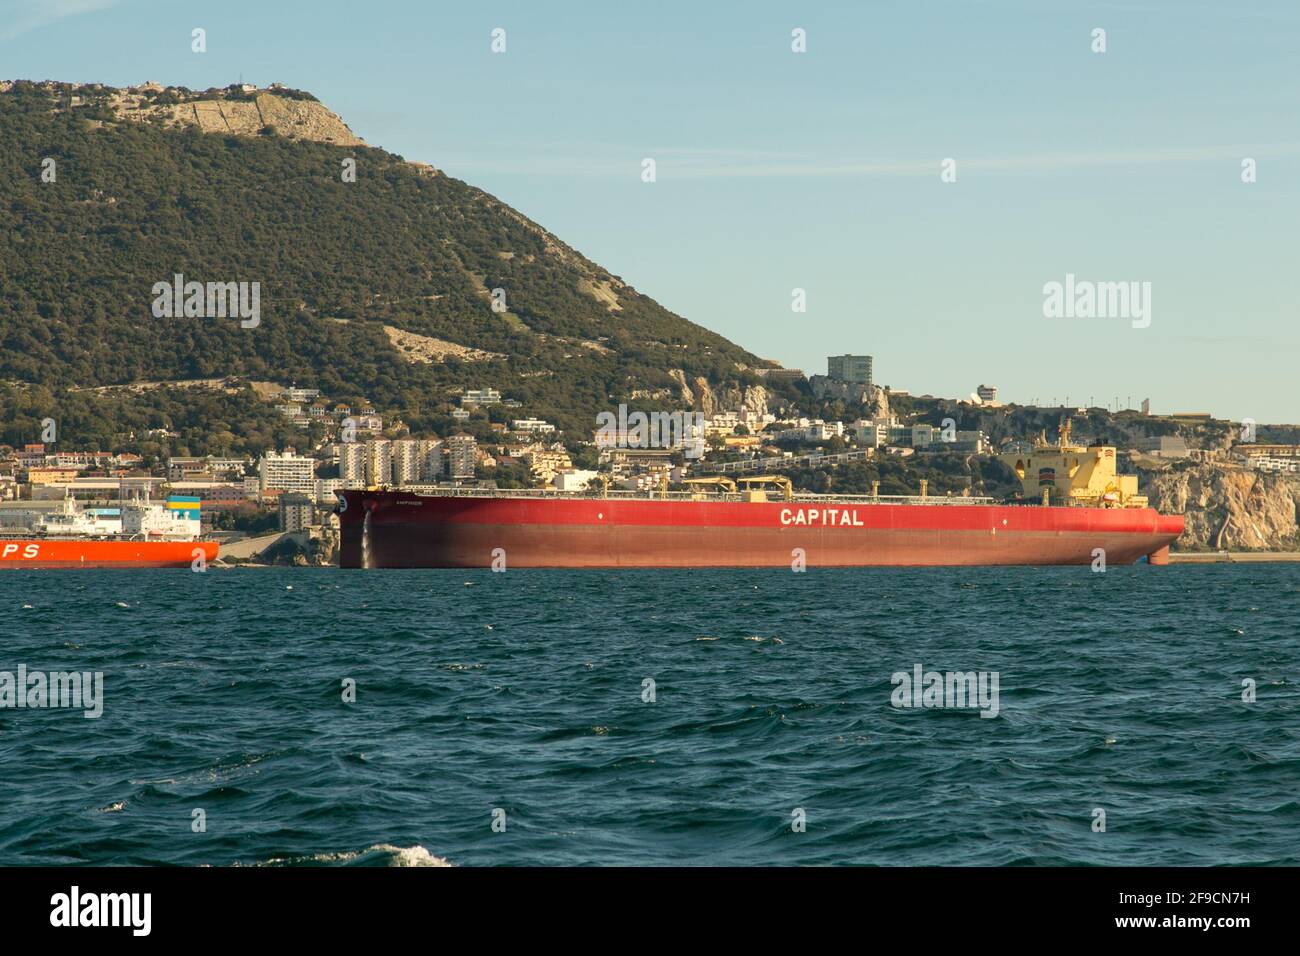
197 422
135 203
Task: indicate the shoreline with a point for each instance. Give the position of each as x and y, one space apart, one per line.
1175 557
1232 557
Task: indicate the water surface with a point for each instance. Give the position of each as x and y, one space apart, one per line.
522 692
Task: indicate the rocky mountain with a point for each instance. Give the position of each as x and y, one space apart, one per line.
378 279
1229 507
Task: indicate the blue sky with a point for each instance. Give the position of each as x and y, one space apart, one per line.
820 170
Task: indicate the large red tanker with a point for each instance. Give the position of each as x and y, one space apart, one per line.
459 529
1088 513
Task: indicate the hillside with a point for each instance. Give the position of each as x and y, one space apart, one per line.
1230 508
377 289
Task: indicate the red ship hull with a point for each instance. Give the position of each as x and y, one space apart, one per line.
397 530
101 553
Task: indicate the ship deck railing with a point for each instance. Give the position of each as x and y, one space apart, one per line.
622 494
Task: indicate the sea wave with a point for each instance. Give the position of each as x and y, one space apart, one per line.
540 742
381 854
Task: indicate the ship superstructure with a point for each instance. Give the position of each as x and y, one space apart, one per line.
1067 474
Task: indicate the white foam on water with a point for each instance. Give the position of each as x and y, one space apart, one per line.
396 856
411 856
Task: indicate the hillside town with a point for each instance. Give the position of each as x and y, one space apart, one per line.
293 489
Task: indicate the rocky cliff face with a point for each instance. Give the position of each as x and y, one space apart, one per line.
684 392
754 398
1228 507
247 115
873 397
320 550
877 404
700 396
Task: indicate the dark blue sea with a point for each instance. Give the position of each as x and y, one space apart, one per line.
516 698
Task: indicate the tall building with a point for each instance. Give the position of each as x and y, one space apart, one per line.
352 464
432 460
378 461
287 472
462 455
416 460
987 393
405 458
296 512
367 463
849 368
325 488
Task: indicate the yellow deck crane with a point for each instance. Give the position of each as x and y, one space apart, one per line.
760 494
698 486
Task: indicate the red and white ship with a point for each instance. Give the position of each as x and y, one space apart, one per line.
132 535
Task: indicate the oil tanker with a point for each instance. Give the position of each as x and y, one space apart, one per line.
131 535
1075 508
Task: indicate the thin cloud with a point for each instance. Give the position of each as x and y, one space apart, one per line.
25 15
